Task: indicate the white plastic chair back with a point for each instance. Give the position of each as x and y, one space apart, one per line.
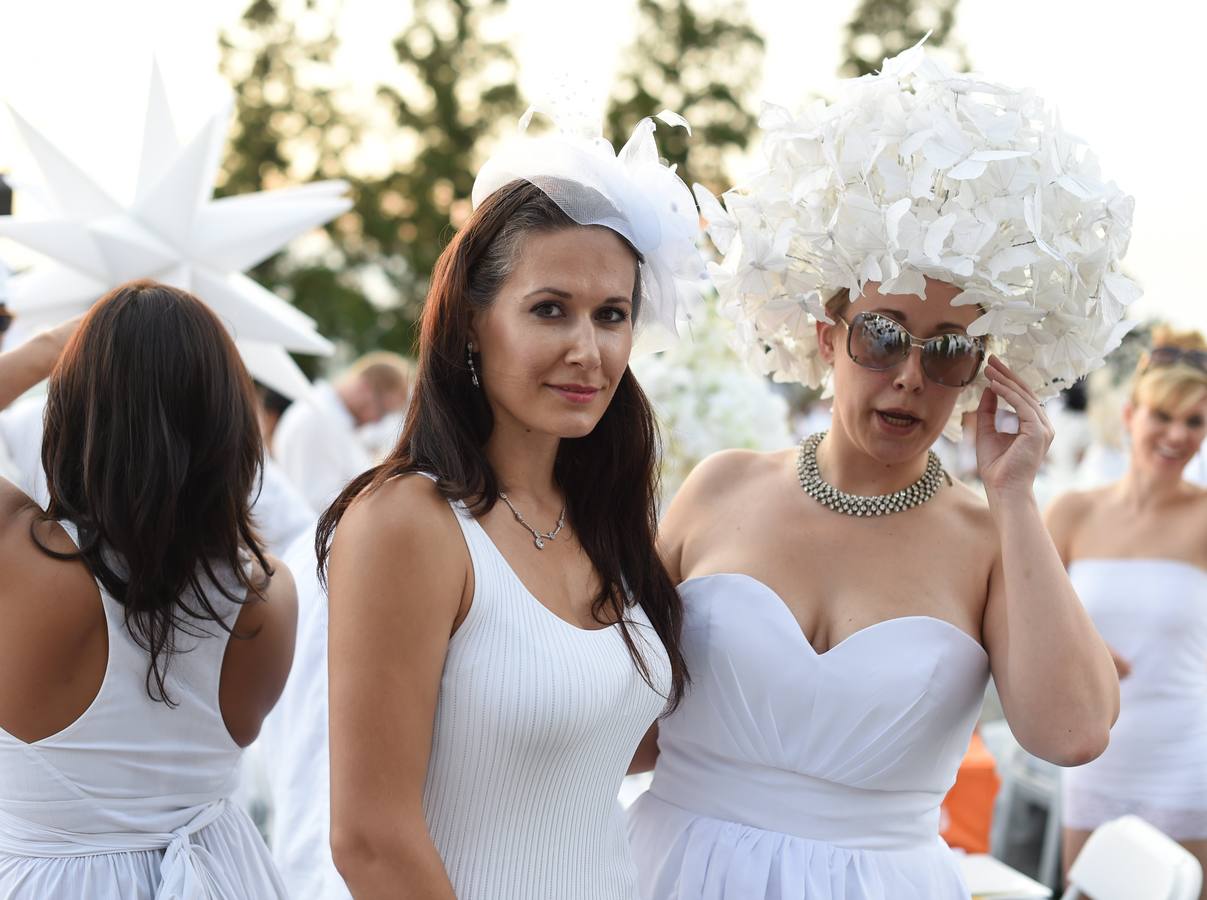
1128 859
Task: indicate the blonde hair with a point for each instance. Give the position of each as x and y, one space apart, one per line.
384 372
1172 388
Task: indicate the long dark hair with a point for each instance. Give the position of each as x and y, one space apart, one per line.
151 448
610 476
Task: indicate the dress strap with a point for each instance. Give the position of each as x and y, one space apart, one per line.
72 530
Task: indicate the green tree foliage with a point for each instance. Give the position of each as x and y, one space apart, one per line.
297 123
883 28
700 60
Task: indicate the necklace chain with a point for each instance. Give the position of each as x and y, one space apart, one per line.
809 474
538 537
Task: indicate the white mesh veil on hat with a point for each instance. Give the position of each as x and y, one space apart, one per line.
631 192
919 172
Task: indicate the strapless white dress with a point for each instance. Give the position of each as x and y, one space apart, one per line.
1153 613
786 774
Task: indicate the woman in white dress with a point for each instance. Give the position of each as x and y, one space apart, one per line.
845 601
1137 553
501 632
146 633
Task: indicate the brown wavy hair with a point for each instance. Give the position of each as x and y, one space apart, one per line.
609 477
152 449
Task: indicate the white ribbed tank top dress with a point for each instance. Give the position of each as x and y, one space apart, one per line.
536 723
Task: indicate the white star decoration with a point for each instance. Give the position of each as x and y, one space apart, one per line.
174 232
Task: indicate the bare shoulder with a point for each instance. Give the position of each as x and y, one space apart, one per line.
18 513
1199 505
31 573
13 500
401 534
409 507
278 593
1065 514
718 485
270 611
970 510
257 663
731 471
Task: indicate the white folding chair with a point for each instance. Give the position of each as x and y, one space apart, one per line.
1128 859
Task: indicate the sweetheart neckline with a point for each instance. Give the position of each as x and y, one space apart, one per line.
874 626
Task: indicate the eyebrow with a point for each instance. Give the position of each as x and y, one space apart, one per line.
566 295
896 313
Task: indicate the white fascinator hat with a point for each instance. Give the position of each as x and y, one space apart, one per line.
920 172
632 192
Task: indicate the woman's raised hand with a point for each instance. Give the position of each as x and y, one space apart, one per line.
1010 462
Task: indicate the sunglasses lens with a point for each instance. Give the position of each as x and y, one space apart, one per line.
1172 356
877 342
951 359
1164 356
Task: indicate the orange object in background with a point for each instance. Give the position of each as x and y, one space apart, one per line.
968 807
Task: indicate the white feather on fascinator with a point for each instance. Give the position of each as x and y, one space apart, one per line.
631 192
919 172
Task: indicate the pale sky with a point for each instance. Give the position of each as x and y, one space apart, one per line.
1122 74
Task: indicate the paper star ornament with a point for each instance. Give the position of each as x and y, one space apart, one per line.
175 232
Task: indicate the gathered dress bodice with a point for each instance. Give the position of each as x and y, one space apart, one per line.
788 773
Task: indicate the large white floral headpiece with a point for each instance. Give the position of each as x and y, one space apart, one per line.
919 172
631 192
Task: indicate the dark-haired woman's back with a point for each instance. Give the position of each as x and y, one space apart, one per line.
146 634
105 791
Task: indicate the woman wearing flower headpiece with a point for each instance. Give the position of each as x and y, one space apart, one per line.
1137 553
845 601
502 632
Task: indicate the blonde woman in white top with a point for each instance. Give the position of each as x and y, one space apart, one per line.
501 630
1137 552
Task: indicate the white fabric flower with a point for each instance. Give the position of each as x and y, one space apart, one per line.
921 172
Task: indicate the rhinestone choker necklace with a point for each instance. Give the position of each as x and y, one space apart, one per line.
831 497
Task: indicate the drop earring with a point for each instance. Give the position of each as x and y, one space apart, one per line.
469 356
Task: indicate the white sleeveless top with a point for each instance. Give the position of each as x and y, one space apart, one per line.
130 801
536 723
1153 613
789 774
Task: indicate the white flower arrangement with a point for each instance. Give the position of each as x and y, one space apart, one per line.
707 399
921 172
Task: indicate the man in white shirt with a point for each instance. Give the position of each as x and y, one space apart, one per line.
316 441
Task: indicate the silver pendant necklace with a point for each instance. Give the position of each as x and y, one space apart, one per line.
538 537
809 474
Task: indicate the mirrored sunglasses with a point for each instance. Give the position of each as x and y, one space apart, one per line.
878 343
1172 356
